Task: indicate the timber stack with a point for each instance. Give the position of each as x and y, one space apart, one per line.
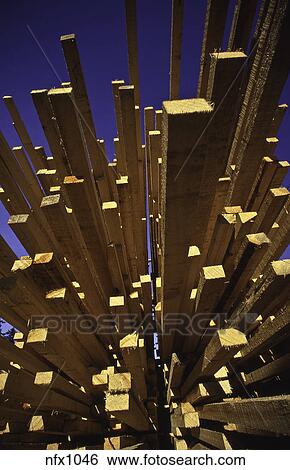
152 306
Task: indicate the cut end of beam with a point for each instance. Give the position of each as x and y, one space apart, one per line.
188 106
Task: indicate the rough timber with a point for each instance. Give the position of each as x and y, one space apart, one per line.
201 196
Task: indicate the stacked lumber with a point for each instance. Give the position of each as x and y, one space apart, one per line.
176 339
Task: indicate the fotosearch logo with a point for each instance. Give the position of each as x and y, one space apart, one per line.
181 323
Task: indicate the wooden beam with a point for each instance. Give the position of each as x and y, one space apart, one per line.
132 43
272 331
176 43
266 295
270 70
221 348
45 113
23 133
215 20
270 209
124 407
213 438
274 368
257 413
243 19
183 121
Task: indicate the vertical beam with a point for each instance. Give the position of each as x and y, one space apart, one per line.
183 122
176 43
215 21
132 41
244 15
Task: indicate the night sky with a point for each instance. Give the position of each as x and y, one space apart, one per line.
27 26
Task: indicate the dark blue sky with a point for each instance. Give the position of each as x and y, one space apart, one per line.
101 36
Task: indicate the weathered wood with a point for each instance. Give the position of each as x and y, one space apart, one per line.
267 78
266 372
124 407
256 413
183 121
132 42
176 43
213 438
222 347
215 20
270 333
23 133
266 295
244 14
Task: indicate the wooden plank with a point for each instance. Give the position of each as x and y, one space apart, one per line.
90 347
158 119
260 101
127 225
215 20
134 356
22 225
50 380
213 438
217 207
221 348
221 237
191 280
77 81
28 172
120 382
10 176
176 42
281 172
209 290
81 104
119 144
223 76
132 44
272 331
124 407
257 413
154 149
270 209
280 238
262 184
250 254
267 294
23 133
183 121
92 226
210 391
242 23
26 359
7 258
176 372
184 416
11 317
57 349
6 201
243 226
115 233
274 368
45 113
68 233
131 151
47 179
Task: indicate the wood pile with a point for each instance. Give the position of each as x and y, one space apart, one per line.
152 309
